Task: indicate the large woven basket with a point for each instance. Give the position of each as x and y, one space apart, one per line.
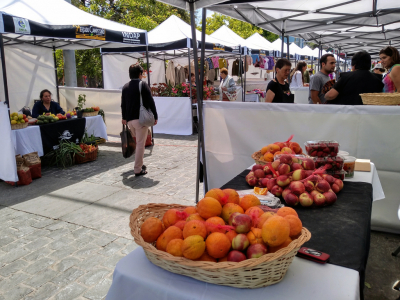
90 114
381 98
19 126
251 273
258 158
90 156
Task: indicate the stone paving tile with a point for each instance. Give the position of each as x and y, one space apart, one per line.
38 254
66 263
68 276
99 291
94 276
41 278
18 292
39 265
13 280
70 292
13 267
44 292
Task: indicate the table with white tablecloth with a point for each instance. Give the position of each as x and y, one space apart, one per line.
300 94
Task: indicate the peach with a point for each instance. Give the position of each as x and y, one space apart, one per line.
319 199
283 180
309 185
308 164
240 242
306 199
273 148
283 169
259 173
230 220
236 256
297 187
330 197
322 186
276 191
242 223
286 159
299 174
297 166
287 150
256 251
295 147
291 199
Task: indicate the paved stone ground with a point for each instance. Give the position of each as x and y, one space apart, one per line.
61 236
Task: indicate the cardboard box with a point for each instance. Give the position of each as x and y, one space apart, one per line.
363 165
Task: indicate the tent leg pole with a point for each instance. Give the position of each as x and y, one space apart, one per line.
190 75
55 70
149 83
245 77
199 99
240 71
288 56
283 42
3 65
102 71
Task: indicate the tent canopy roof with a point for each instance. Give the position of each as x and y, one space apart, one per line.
69 26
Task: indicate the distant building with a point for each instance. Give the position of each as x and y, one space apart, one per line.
298 41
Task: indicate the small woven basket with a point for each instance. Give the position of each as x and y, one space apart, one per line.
214 97
90 156
381 98
90 114
251 273
19 126
258 158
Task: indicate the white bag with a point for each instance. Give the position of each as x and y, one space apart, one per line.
146 117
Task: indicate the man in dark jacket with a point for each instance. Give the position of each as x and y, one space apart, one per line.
347 90
130 105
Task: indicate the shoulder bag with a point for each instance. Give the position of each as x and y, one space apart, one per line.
127 142
146 117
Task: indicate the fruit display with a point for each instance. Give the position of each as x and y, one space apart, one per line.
267 153
41 120
91 109
87 148
16 118
322 148
333 163
297 181
70 113
222 227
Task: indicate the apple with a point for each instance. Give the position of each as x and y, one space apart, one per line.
286 159
309 185
306 199
322 186
256 251
275 164
319 199
313 193
329 178
232 216
330 197
299 175
269 176
257 167
309 172
271 183
283 169
297 187
259 173
339 183
267 170
276 191
236 256
291 199
308 164
264 182
283 180
285 192
240 242
241 223
297 166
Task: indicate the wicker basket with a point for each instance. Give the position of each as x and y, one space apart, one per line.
214 97
258 158
90 156
90 114
251 273
381 98
19 126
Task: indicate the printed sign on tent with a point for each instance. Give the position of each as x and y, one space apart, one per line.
90 32
21 25
219 47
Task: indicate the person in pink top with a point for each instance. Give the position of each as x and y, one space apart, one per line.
390 59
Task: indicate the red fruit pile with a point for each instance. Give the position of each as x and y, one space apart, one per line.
322 148
333 163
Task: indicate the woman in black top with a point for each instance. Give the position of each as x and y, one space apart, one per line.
46 105
278 89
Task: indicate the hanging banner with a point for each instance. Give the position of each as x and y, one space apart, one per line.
21 26
90 32
219 47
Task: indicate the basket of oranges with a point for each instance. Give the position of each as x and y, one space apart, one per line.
224 240
89 153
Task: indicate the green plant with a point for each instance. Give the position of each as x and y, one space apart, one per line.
88 139
101 113
143 64
81 101
64 155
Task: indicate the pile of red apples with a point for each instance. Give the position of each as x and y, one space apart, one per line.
296 180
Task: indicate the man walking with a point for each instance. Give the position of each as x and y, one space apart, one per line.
317 82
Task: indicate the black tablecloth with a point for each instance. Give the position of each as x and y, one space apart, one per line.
71 130
342 230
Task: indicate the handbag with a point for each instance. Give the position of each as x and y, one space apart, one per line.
231 96
127 141
146 117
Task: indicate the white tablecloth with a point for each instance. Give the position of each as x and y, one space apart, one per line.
8 167
252 98
300 95
29 140
136 278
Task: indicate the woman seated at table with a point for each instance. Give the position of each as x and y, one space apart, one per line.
46 105
227 88
390 59
347 90
278 90
297 78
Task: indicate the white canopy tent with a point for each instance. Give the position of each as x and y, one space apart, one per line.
261 42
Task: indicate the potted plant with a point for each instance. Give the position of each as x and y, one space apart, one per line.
81 103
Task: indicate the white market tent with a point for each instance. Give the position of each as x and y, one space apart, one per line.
261 42
31 33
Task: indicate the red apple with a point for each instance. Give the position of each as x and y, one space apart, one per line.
276 191
339 183
269 176
283 180
329 178
297 187
297 166
286 159
271 183
299 175
285 192
313 193
291 199
283 169
232 216
241 223
256 251
308 164
236 256
306 199
264 181
259 173
257 167
322 186
240 242
330 197
319 200
252 181
309 185
335 188
267 170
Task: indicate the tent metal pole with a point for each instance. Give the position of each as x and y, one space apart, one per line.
240 71
199 99
3 65
102 71
283 42
245 73
288 56
190 75
319 56
55 71
148 82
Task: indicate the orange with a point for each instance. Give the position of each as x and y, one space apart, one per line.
168 235
285 244
229 209
217 194
260 191
248 201
225 258
264 217
218 245
233 196
231 234
180 224
277 153
190 210
170 217
213 223
255 236
174 247
269 157
194 227
193 247
254 213
295 225
195 216
209 207
275 231
206 257
151 229
284 211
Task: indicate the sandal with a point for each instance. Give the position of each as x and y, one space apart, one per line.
141 173
144 167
